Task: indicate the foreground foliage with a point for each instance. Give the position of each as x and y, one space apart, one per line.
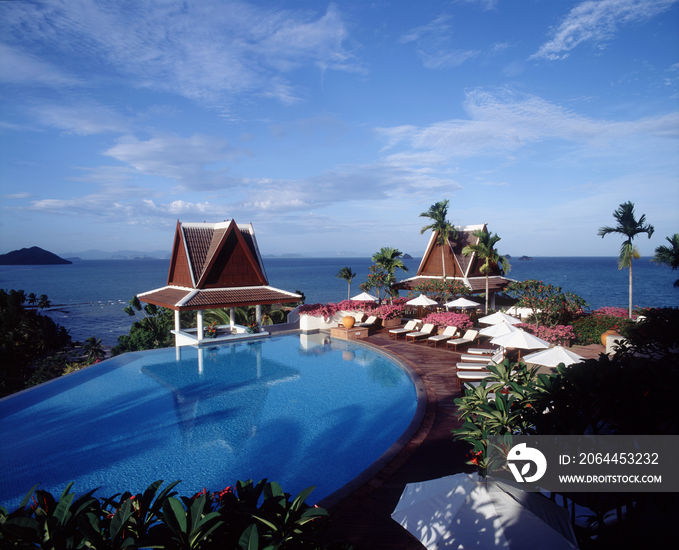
229 519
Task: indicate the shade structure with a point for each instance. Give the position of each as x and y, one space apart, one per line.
421 300
499 329
553 356
364 297
520 339
499 317
462 303
464 511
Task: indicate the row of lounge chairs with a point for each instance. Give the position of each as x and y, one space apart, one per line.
413 332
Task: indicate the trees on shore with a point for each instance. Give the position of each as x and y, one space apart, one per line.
485 251
438 214
629 227
347 274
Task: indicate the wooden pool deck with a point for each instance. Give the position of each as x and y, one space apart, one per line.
364 516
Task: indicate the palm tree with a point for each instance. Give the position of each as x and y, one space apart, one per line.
389 259
669 255
630 228
437 213
32 299
346 274
43 301
94 349
484 251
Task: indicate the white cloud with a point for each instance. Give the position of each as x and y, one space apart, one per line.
597 21
20 67
504 122
184 160
207 51
82 120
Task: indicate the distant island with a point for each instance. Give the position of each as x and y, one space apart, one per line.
31 256
525 258
407 257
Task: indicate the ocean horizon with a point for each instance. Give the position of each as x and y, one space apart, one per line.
88 296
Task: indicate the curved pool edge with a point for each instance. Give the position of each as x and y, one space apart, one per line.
379 471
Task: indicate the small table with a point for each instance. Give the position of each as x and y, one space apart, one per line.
353 333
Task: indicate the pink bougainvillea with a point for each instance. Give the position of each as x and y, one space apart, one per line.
558 334
610 311
448 319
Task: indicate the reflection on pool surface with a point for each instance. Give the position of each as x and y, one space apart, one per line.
300 410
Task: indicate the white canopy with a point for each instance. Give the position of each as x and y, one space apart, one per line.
421 300
499 317
463 511
462 303
553 356
500 329
520 339
365 297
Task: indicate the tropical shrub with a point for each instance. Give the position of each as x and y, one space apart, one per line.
550 306
447 318
589 327
26 336
558 334
610 311
378 282
232 518
390 311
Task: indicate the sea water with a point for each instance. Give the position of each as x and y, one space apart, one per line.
88 296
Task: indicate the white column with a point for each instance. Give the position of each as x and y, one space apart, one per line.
232 317
258 316
199 324
200 360
177 328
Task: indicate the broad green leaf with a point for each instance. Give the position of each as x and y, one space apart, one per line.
249 540
175 516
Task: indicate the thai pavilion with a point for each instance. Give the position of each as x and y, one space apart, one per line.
466 269
215 266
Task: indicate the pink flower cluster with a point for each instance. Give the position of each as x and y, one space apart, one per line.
558 334
448 319
610 311
385 311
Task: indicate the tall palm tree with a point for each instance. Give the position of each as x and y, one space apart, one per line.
630 227
93 348
389 259
32 299
346 274
669 255
485 251
437 213
43 301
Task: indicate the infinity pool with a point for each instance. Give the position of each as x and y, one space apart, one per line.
300 410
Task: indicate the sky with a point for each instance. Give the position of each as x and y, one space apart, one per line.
330 126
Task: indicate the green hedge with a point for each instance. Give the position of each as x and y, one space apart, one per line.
589 328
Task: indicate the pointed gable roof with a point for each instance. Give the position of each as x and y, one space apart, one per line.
216 265
215 255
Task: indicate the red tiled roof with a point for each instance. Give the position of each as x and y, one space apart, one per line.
184 299
475 284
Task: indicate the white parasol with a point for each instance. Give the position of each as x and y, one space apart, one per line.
422 300
500 329
553 356
520 340
462 303
364 297
464 511
499 317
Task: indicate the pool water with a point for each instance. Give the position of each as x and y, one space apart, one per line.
300 410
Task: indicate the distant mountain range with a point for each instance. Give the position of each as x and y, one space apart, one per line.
95 254
31 256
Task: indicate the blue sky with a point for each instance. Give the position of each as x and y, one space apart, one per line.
332 126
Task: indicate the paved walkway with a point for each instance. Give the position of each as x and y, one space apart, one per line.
364 516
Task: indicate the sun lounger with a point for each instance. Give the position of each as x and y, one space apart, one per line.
370 322
482 351
424 332
468 338
471 366
449 333
409 327
497 357
466 376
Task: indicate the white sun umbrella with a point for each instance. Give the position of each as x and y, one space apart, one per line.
520 340
462 303
553 356
422 300
364 297
464 511
499 317
499 329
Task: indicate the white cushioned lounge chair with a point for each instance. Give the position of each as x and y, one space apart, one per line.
448 333
410 326
369 322
497 357
424 332
468 338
